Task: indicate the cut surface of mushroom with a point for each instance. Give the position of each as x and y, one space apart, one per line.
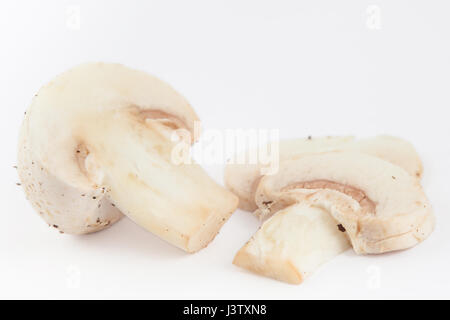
382 207
293 243
317 205
99 141
243 178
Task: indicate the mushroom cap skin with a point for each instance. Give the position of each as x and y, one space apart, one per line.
70 209
242 179
99 141
382 207
293 243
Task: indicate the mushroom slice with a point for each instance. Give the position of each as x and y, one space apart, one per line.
101 140
381 206
293 243
243 178
313 204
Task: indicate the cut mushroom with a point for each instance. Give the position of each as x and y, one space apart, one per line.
243 178
291 244
379 205
99 141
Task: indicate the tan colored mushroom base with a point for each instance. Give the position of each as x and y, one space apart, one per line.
293 243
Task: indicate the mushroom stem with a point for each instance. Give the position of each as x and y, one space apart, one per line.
178 202
293 243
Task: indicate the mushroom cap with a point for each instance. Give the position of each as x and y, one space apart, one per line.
381 206
243 179
392 149
65 130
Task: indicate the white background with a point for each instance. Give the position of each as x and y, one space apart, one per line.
304 67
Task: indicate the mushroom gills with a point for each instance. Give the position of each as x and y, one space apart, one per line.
293 243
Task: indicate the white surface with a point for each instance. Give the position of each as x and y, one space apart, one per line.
305 67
